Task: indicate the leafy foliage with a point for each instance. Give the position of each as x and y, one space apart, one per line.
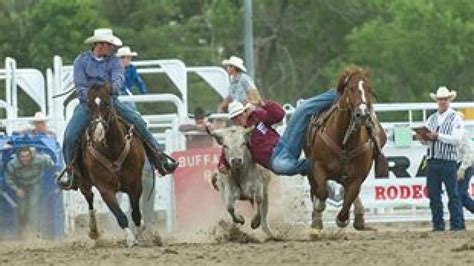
411 47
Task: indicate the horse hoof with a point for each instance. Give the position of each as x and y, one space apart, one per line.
359 222
342 224
255 222
314 234
94 235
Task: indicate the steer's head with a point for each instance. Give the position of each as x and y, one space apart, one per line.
234 140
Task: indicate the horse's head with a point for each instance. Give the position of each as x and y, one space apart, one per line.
234 140
356 93
99 101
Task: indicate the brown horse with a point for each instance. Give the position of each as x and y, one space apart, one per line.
344 142
111 158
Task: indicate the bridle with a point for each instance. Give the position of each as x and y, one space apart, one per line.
112 166
360 114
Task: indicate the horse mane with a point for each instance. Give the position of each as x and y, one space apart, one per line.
104 89
348 73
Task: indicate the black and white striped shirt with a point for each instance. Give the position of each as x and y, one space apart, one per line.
450 128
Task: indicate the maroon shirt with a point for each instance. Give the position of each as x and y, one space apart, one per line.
264 137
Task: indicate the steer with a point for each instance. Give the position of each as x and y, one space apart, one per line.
244 180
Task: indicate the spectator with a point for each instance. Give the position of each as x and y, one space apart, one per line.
466 159
23 174
199 124
132 78
242 87
447 129
39 126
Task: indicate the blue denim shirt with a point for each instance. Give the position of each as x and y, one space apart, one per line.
88 70
133 78
240 86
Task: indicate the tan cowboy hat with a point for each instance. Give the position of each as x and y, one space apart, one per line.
104 35
236 62
39 117
443 92
125 51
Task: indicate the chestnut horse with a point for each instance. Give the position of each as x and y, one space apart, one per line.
343 143
111 158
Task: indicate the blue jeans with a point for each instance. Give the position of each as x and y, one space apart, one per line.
463 188
80 120
438 172
132 116
74 130
285 158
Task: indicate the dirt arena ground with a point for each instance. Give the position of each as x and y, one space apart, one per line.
399 244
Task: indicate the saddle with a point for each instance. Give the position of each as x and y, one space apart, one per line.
319 121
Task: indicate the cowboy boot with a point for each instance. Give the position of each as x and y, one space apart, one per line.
160 161
65 179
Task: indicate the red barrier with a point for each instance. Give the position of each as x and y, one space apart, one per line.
197 203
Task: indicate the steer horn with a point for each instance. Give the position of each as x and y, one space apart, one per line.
215 135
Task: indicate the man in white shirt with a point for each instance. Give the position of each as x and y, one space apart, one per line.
466 160
447 130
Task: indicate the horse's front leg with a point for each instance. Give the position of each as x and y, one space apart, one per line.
359 221
108 195
319 195
89 195
351 192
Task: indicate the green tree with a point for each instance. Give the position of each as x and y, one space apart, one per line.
420 46
57 27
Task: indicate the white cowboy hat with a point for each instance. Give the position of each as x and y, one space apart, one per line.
125 51
39 117
236 108
443 92
104 35
235 61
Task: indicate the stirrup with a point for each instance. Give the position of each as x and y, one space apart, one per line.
63 185
165 164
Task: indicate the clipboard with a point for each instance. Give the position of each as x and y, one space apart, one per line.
422 131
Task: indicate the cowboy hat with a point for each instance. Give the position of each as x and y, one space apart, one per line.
104 35
443 92
125 51
39 117
236 108
236 62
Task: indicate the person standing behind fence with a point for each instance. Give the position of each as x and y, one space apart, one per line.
39 126
466 160
242 88
132 78
447 129
23 174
